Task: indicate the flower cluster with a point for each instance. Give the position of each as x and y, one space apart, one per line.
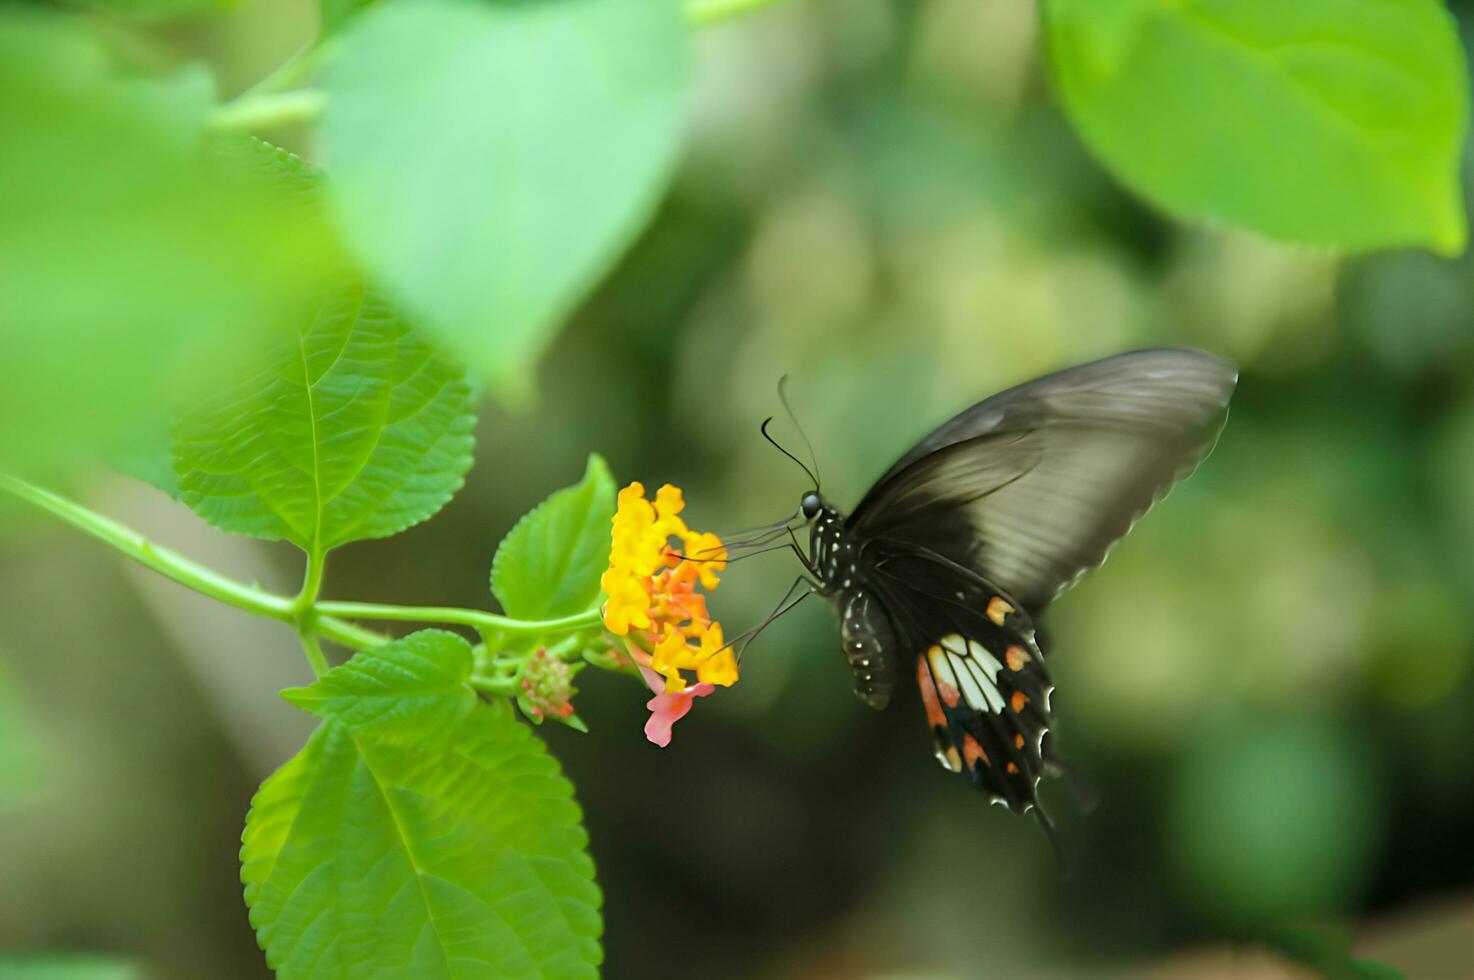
654 602
545 687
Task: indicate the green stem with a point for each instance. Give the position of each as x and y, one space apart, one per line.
306 601
304 608
503 687
176 567
268 111
163 560
348 634
315 656
459 617
309 616
700 13
291 72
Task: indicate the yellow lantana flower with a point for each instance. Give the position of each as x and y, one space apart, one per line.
656 564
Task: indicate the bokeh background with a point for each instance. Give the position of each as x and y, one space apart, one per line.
1268 685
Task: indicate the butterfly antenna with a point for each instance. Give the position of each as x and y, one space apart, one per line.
802 465
813 457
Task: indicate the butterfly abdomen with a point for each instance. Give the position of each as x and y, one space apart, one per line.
866 633
869 643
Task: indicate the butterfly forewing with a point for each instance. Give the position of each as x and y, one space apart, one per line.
1031 487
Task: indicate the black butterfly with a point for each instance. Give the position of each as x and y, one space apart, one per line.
947 563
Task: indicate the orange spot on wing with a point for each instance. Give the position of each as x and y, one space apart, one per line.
998 610
1018 741
1018 701
949 694
1012 769
1016 658
972 751
934 713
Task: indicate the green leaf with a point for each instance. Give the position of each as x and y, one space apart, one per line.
549 564
412 689
333 14
362 858
1332 122
132 264
147 453
492 160
355 430
57 966
151 9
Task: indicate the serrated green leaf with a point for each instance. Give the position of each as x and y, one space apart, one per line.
131 264
414 689
62 966
491 160
356 430
148 455
468 859
549 564
299 183
1331 122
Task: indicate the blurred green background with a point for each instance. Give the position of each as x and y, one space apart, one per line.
1269 684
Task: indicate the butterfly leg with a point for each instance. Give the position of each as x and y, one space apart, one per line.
803 558
743 639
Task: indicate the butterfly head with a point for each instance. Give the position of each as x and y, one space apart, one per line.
811 505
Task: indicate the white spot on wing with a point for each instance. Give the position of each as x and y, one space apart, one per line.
941 666
988 662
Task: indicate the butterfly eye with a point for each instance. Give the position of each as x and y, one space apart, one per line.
811 505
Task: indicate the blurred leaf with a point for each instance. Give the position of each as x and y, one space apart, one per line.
413 689
147 452
491 161
468 860
1365 969
358 430
297 181
549 564
66 967
1322 121
19 764
1413 312
1328 950
333 14
131 262
152 9
1274 820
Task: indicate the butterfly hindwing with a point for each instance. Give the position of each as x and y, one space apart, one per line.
982 678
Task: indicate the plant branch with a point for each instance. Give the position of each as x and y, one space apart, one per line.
291 72
165 561
174 566
315 656
267 111
312 618
460 617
